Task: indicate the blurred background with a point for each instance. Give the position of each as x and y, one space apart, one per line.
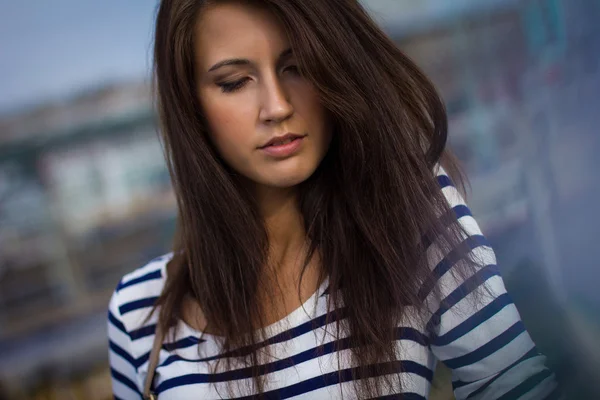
85 196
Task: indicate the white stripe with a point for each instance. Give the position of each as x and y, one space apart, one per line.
471 304
124 392
150 267
496 361
480 335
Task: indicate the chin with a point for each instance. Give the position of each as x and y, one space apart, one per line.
286 179
286 182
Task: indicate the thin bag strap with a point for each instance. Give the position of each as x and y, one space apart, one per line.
152 363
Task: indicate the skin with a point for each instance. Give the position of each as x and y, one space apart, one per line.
247 103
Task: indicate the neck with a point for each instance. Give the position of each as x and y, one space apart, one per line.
287 283
284 224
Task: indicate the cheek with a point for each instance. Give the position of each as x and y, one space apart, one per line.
316 119
309 106
230 123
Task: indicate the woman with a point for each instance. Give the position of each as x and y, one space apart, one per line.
322 251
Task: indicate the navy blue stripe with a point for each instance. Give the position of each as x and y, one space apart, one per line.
406 333
467 287
135 362
447 262
143 332
461 211
454 214
118 350
243 373
345 375
489 348
142 359
180 344
328 348
117 398
474 320
444 181
526 386
306 327
183 343
144 278
313 383
295 332
403 396
530 354
124 380
137 304
116 323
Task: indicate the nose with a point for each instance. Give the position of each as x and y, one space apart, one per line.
275 106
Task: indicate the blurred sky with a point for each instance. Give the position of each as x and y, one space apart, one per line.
53 48
50 49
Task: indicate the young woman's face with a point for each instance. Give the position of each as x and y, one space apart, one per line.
265 119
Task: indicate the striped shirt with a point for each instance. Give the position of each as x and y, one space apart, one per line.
483 342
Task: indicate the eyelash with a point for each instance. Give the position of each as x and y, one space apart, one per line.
230 87
293 68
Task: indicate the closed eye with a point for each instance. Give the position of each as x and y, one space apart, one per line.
292 68
229 87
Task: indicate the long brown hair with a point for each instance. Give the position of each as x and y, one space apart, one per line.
369 210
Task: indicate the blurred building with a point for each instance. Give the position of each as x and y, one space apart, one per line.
85 196
520 80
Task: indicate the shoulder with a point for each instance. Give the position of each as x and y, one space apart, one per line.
447 186
131 327
143 278
137 292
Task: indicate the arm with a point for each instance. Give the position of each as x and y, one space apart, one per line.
122 362
478 332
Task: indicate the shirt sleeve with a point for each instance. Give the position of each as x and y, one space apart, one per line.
477 330
123 365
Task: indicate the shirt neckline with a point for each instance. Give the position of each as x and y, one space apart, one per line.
294 318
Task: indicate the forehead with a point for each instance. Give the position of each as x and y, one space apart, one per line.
237 30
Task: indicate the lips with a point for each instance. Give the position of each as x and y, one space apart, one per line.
282 140
283 147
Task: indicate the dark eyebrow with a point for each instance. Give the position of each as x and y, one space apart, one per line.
242 61
233 61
